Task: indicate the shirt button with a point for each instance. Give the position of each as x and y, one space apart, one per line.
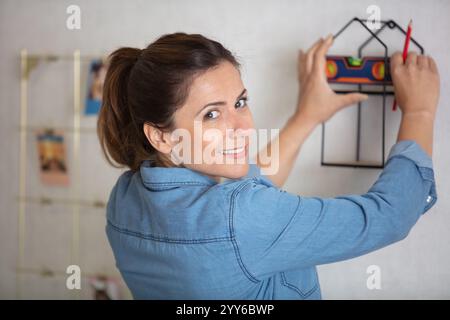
429 198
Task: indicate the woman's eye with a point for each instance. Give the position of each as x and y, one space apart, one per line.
212 114
243 104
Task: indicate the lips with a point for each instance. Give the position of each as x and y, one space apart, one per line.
234 151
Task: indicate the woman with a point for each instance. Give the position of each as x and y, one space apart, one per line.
178 230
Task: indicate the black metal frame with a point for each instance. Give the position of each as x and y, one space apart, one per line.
391 24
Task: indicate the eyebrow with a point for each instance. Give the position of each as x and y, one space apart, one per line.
219 103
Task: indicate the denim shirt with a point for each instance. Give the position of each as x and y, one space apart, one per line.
178 234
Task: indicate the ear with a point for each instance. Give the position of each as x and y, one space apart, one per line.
158 139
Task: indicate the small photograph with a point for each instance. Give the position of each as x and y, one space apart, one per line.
96 77
52 157
105 288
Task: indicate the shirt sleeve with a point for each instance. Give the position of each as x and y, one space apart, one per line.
277 231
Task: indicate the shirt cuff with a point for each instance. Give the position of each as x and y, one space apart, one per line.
413 151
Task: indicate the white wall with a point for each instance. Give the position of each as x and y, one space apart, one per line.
266 37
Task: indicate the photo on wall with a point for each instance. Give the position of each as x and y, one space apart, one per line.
52 157
96 77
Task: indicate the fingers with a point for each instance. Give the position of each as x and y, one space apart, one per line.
411 59
423 61
319 55
301 65
432 65
301 55
310 55
396 59
351 98
314 46
314 57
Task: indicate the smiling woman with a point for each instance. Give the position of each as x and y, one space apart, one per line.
178 232
217 104
144 89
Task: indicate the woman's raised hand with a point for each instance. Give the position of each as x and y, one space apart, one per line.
317 101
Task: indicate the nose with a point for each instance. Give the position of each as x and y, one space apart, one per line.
239 125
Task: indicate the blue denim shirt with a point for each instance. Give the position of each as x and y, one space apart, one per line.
177 234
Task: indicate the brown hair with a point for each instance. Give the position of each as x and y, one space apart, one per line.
148 86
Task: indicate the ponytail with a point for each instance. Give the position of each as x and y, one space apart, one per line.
115 127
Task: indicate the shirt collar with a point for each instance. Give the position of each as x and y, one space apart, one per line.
166 178
161 177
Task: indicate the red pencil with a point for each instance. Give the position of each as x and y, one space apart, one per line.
405 53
